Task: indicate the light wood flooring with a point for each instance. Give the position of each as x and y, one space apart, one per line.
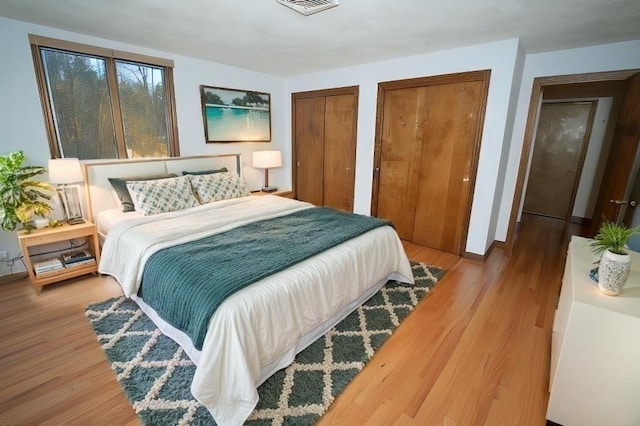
474 352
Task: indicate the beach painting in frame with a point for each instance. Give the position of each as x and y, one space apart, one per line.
233 115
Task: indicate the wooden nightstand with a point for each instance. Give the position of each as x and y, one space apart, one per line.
55 235
281 193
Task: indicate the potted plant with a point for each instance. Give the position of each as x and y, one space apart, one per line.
20 196
615 263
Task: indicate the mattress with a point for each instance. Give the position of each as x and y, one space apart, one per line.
107 219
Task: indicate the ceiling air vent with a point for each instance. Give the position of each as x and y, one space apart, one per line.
309 7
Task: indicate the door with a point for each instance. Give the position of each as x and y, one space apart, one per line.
398 172
426 157
620 163
561 142
339 151
324 131
309 149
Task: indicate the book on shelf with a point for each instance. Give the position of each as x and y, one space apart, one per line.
81 263
73 257
47 265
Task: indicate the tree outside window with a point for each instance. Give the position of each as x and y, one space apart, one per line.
100 106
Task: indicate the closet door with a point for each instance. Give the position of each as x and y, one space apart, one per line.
399 172
324 132
428 137
339 151
309 149
449 131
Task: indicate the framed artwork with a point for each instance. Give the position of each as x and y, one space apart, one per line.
233 115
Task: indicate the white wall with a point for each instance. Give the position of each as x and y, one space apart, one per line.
500 57
504 157
594 161
607 57
23 127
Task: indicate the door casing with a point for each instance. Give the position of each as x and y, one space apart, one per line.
539 83
482 76
323 94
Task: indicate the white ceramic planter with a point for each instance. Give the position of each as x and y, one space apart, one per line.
613 272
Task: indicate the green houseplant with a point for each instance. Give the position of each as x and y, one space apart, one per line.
21 197
615 262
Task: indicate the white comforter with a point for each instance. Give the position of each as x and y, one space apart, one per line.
259 329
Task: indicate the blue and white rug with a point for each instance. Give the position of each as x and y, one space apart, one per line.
156 374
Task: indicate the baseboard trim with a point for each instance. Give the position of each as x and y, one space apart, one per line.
584 221
474 257
481 258
4 279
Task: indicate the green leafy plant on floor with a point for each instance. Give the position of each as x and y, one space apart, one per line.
613 237
21 197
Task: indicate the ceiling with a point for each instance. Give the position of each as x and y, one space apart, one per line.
265 36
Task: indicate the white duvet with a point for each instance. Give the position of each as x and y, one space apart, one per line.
259 329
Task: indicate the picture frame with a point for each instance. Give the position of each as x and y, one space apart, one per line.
235 115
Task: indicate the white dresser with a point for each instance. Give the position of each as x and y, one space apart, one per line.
595 347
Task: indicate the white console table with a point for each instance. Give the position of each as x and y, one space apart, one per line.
595 347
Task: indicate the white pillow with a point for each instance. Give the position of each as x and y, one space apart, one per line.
219 186
161 195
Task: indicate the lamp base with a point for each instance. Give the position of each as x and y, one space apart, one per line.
70 201
269 189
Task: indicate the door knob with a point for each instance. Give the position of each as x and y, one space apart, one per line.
633 203
297 164
618 202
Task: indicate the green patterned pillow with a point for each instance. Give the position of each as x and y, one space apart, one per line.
120 187
162 195
219 186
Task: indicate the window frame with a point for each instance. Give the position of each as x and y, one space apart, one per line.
110 57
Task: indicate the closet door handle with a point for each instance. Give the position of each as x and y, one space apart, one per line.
297 164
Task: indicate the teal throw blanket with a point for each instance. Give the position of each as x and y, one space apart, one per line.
186 283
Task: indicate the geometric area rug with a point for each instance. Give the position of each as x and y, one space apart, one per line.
156 374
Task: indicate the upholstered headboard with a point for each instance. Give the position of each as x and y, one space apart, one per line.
98 191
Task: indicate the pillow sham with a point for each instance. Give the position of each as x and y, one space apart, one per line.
205 172
219 186
120 187
162 195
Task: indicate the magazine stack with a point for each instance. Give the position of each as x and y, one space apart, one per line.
48 267
77 259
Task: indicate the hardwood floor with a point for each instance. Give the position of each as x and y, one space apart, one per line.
475 351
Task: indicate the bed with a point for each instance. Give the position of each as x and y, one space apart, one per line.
259 327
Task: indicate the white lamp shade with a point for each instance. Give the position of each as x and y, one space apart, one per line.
266 159
65 170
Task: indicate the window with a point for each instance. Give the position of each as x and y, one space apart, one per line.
99 103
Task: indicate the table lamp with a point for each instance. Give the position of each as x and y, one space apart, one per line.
266 160
63 172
